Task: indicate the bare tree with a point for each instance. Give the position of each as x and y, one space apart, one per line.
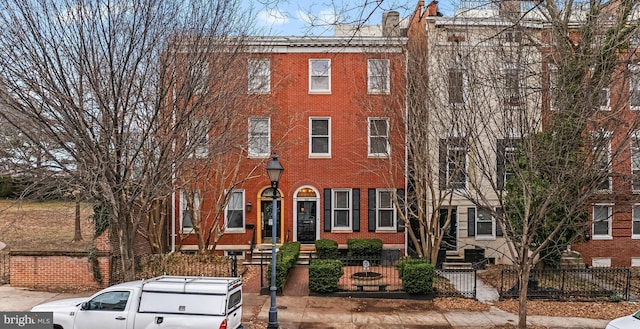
531 120
120 96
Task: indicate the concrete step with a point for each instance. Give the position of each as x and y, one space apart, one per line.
457 266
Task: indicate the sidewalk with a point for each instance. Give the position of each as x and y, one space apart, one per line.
298 312
308 312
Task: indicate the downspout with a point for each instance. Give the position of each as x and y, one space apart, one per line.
406 150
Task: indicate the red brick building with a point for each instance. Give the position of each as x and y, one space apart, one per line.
332 109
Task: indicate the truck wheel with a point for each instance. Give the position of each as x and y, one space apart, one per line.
57 326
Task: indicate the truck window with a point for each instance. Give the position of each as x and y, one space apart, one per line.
234 299
109 301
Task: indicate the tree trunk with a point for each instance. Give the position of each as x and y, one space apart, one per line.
77 236
522 301
127 255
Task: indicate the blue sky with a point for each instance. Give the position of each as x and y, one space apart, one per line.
315 17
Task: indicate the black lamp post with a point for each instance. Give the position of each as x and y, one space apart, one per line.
274 171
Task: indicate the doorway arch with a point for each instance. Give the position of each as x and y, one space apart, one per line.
306 215
265 216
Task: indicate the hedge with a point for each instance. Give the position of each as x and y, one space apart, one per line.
326 249
401 264
364 247
286 258
418 278
324 275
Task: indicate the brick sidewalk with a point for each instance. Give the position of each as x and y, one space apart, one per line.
297 281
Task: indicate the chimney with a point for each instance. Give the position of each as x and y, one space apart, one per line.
391 24
432 9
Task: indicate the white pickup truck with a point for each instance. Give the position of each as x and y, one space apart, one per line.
169 302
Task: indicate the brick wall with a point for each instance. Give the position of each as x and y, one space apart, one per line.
60 270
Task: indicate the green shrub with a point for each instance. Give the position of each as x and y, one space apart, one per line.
418 278
326 249
404 262
364 247
286 258
324 275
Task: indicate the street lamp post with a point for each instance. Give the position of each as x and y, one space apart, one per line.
274 171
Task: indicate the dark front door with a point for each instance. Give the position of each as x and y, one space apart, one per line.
306 222
267 221
450 239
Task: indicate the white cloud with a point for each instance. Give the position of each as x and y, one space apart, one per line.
322 18
272 17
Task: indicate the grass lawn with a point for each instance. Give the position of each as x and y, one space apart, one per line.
43 226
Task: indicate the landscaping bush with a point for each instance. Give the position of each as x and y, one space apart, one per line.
326 249
404 262
286 258
418 278
365 247
324 275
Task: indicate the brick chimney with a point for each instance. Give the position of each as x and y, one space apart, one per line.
432 8
391 24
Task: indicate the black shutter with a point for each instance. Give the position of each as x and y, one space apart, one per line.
327 210
356 209
372 210
500 157
400 223
499 214
442 174
471 221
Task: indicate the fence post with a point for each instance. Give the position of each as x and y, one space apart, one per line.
234 266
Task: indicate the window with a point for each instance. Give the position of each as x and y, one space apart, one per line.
319 136
259 137
506 159
553 87
453 163
234 212
602 94
635 225
379 137
635 162
513 36
378 75
199 75
189 208
341 209
602 158
259 76
484 224
109 301
634 87
319 75
385 210
198 137
513 86
456 87
602 222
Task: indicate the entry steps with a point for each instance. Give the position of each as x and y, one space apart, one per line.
453 261
261 254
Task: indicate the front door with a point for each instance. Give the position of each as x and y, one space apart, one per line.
267 221
306 230
450 239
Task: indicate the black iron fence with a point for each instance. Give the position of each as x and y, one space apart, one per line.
577 284
4 268
379 274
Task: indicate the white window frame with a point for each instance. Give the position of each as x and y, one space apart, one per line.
635 160
553 85
607 106
606 135
334 208
492 220
601 262
609 235
259 76
252 135
201 72
635 261
313 74
380 208
183 209
463 88
635 217
370 137
312 136
200 145
634 84
228 208
373 74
